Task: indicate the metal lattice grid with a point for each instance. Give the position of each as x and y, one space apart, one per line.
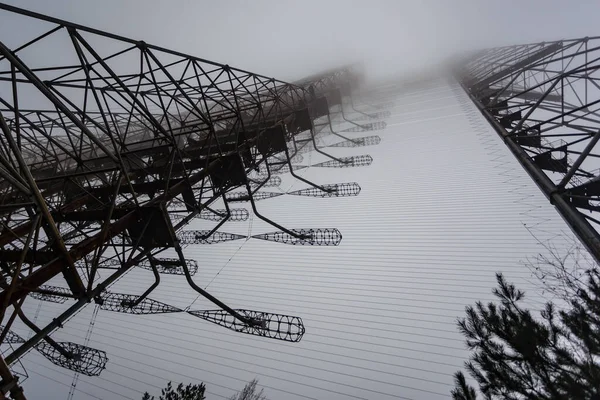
310 237
337 190
78 358
543 100
171 266
371 126
204 237
132 304
52 294
274 326
110 150
347 162
257 196
359 142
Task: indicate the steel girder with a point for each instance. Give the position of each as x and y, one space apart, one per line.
113 140
543 99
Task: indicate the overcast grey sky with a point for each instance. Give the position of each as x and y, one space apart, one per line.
420 242
289 39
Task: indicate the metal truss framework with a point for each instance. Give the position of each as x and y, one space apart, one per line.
110 146
340 190
543 99
75 357
274 326
311 237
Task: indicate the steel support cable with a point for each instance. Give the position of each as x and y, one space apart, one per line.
352 276
338 331
64 384
319 352
86 341
329 300
491 143
359 377
242 369
446 266
174 362
379 329
423 343
159 378
576 221
299 374
104 387
358 313
450 261
220 270
194 378
83 380
116 325
346 275
408 310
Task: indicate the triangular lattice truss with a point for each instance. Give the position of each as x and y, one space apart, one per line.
543 99
110 147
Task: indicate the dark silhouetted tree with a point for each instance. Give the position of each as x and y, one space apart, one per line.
189 392
249 392
516 355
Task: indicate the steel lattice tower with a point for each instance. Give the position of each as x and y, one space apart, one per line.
543 99
110 150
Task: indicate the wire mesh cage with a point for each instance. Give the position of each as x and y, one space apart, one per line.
310 237
347 162
131 304
78 358
274 326
332 190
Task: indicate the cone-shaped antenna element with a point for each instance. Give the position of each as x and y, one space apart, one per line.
311 237
83 359
347 162
338 190
274 326
359 142
286 168
12 337
170 266
53 298
199 237
123 303
274 181
244 196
